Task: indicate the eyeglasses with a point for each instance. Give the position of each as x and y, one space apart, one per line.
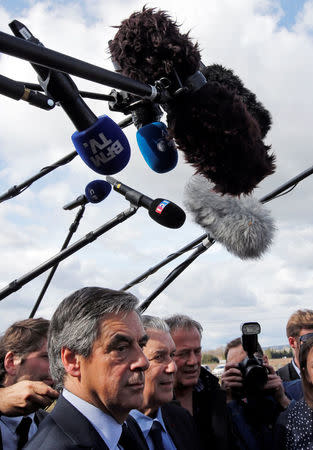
305 337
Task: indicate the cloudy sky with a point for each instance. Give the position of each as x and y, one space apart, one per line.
269 44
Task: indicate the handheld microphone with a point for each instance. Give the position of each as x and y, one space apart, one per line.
157 148
100 142
243 225
95 192
18 91
162 211
159 151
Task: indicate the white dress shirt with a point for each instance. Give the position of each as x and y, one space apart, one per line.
106 426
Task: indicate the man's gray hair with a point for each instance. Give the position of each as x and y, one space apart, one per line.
178 321
155 323
76 323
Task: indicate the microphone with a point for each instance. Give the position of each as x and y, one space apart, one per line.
18 91
162 211
100 142
95 192
157 148
216 124
242 225
159 151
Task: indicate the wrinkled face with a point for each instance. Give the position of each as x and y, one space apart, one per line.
112 377
187 356
159 382
34 366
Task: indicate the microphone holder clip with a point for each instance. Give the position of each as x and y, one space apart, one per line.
134 198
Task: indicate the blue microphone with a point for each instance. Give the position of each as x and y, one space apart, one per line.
95 192
103 146
158 150
100 142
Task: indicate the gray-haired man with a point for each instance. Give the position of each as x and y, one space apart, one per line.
95 351
162 423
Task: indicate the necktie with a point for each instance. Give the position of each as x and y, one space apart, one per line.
22 432
155 434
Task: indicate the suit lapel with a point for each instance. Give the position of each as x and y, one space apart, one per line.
76 426
133 438
172 430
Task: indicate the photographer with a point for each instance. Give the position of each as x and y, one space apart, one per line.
255 394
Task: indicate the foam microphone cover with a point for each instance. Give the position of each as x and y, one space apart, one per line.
97 190
243 225
158 150
166 213
103 146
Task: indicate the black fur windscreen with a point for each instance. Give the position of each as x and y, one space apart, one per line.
219 127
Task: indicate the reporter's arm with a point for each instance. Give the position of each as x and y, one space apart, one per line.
25 397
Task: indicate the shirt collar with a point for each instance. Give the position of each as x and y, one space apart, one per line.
108 428
13 422
145 422
296 367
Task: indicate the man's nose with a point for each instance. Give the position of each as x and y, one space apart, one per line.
192 359
171 367
141 362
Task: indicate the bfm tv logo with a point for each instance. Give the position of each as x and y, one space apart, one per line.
100 157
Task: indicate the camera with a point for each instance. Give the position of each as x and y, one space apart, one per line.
254 374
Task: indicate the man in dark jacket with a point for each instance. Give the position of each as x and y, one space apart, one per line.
196 388
299 324
95 352
162 423
254 411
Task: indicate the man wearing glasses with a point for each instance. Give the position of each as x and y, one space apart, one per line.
299 328
196 388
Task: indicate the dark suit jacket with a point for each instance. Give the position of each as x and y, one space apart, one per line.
179 424
288 373
66 428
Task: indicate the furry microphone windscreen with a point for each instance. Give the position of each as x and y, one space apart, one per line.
220 126
243 225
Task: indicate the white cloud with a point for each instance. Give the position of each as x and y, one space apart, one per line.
217 289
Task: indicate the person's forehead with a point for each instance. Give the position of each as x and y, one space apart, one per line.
128 323
187 338
42 349
236 354
159 340
304 331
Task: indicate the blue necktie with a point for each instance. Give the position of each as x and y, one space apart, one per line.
155 434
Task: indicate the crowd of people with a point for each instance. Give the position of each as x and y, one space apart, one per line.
101 376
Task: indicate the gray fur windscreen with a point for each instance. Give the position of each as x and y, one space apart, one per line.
243 225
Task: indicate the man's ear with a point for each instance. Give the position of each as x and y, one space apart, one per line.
292 342
11 363
71 362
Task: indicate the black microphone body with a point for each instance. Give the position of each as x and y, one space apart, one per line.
79 201
59 85
162 211
18 91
